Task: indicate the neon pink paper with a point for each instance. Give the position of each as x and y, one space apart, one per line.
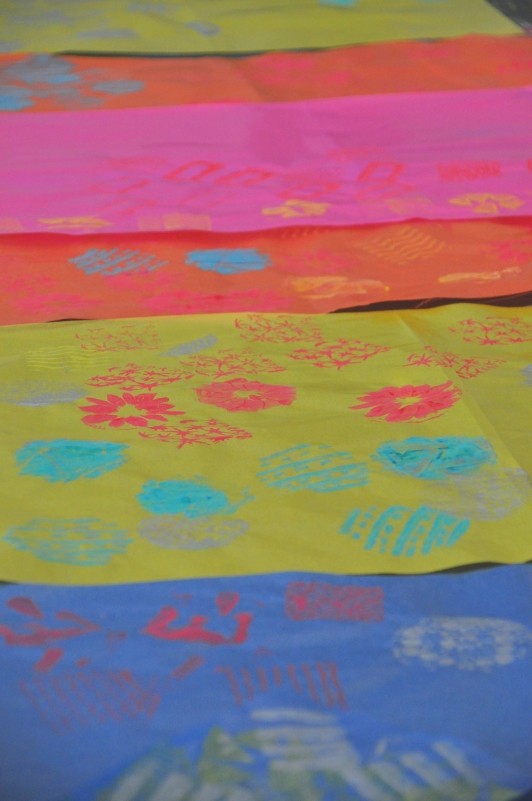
239 167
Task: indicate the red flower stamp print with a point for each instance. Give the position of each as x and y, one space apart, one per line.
241 395
339 354
195 432
228 362
409 403
465 368
133 336
494 331
128 410
136 377
261 328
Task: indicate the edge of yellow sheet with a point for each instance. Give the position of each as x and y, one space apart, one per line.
225 26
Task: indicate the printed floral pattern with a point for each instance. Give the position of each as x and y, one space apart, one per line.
195 432
339 354
135 377
128 410
199 406
465 368
241 395
264 328
409 403
494 331
228 362
134 336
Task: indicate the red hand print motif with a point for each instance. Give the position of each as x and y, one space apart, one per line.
195 630
38 634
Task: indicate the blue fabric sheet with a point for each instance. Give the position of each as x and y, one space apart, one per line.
292 687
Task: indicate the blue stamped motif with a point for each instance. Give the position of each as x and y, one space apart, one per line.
64 460
107 33
190 498
194 346
50 77
435 458
36 76
119 87
527 374
229 261
204 28
84 542
40 393
401 531
319 468
116 261
14 98
42 69
148 6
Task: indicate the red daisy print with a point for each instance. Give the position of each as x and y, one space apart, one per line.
405 404
241 395
128 410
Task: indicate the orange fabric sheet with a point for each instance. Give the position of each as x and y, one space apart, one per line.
52 277
30 82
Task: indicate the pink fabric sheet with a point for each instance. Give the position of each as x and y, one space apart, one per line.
242 167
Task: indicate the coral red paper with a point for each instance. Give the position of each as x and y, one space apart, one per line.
52 276
41 82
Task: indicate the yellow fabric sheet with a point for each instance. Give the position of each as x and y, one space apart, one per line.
158 448
219 26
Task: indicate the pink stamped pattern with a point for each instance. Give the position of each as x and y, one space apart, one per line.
132 336
494 331
195 432
128 410
317 600
225 363
463 367
241 395
279 329
409 404
339 354
134 377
